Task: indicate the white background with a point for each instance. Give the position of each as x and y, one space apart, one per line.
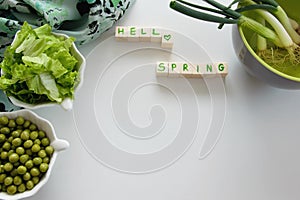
257 156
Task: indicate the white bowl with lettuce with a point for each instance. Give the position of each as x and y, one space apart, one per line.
41 68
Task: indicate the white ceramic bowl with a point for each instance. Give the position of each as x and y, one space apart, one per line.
67 103
58 145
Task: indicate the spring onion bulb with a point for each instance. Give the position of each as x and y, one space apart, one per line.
295 25
261 41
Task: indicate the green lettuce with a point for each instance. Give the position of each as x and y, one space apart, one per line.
38 66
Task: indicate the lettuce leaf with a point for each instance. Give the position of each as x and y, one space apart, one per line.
38 66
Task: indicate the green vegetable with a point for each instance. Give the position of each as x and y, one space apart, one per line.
21 188
279 31
23 162
38 67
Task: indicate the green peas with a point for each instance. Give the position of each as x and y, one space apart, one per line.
20 120
44 167
28 152
35 180
21 170
14 172
29 184
25 153
8 180
32 127
46 160
42 135
17 180
5 130
16 142
45 142
11 123
42 153
37 141
10 152
26 124
34 171
49 150
28 144
8 167
2 177
24 158
20 150
16 133
34 135
35 148
26 176
29 164
4 155
25 134
13 158
37 160
10 139
6 146
2 137
21 188
4 120
12 189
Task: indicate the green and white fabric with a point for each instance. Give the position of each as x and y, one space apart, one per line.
83 19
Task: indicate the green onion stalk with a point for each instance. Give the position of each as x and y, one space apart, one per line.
282 16
261 41
278 34
281 24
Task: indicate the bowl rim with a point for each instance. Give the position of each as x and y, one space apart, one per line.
261 61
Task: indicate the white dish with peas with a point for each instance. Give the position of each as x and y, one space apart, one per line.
29 148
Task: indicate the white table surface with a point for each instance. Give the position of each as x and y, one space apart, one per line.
256 157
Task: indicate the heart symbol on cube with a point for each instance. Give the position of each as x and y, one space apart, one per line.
167 37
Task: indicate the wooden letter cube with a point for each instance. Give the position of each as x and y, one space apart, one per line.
222 68
208 70
174 69
167 40
121 33
145 34
162 69
155 35
133 34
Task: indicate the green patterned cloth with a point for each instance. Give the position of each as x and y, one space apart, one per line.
85 20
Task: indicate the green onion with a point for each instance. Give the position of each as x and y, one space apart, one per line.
261 41
294 24
200 15
230 17
281 32
281 21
